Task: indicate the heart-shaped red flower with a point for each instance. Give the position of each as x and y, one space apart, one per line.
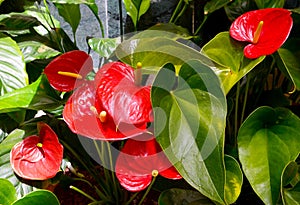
37 157
65 70
265 29
139 158
100 110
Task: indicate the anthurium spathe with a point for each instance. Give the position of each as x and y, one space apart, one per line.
37 157
111 107
65 70
265 29
140 160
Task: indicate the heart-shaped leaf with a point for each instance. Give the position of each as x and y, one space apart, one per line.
7 192
38 196
189 124
231 65
104 46
267 141
12 66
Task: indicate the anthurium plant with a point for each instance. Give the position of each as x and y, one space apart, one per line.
200 109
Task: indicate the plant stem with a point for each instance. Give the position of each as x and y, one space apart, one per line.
245 99
176 11
181 13
131 198
83 193
121 20
147 191
236 112
201 25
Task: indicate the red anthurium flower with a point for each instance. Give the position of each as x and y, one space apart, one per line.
139 160
37 157
265 29
65 70
85 114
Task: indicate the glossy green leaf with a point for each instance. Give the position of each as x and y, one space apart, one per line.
267 141
5 167
73 1
38 196
182 197
189 123
136 8
290 174
214 5
154 52
7 192
71 14
231 65
289 63
36 96
234 179
292 196
261 4
33 50
104 46
12 66
17 22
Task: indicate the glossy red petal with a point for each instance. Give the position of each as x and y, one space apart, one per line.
138 158
118 94
34 162
76 61
275 30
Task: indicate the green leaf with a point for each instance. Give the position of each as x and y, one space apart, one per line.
231 65
12 66
182 197
136 8
104 46
267 141
33 50
36 197
17 22
71 14
73 1
7 192
36 96
261 4
290 174
292 196
189 124
154 52
234 179
289 63
214 5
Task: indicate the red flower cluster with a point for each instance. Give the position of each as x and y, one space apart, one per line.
112 107
265 29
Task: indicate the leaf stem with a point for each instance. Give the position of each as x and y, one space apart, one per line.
201 25
176 11
83 193
147 191
245 99
236 112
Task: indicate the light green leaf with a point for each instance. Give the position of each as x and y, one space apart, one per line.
189 124
234 179
7 192
12 66
292 196
104 46
136 8
37 197
36 96
267 141
261 4
73 1
33 50
182 197
71 14
231 65
214 5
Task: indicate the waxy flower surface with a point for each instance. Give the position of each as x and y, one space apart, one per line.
37 157
265 29
139 160
65 70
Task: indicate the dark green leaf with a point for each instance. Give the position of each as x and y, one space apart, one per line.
104 46
73 1
182 197
71 14
289 174
18 22
261 4
214 5
12 66
189 116
37 197
238 7
136 8
7 192
292 196
267 141
36 96
231 65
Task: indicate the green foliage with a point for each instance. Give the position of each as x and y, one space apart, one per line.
214 5
7 192
269 3
136 8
